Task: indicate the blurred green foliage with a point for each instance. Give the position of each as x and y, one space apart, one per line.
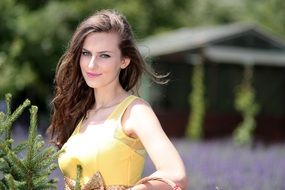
196 100
35 33
246 104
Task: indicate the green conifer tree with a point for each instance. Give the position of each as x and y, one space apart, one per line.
28 165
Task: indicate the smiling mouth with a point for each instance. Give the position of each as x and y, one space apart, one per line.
93 75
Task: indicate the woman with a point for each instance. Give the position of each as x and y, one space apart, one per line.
98 122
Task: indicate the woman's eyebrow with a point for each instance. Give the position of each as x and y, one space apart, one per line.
104 51
83 49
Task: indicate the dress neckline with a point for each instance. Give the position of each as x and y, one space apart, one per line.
110 116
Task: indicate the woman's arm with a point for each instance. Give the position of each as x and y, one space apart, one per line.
140 121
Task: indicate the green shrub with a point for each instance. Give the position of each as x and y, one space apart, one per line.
197 101
246 104
28 165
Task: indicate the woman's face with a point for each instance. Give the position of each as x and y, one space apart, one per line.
101 60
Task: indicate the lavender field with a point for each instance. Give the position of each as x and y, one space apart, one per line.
219 164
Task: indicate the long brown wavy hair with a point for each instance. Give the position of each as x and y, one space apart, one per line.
73 98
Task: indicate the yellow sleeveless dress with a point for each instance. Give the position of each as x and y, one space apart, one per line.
107 149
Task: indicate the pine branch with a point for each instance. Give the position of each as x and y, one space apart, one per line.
2 118
31 172
8 103
78 177
49 185
31 151
48 170
19 111
3 186
10 180
10 119
43 158
4 166
39 143
32 132
20 147
45 165
12 159
40 180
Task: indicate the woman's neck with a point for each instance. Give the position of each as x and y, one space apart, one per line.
108 97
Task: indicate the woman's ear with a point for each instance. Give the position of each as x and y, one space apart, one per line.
125 62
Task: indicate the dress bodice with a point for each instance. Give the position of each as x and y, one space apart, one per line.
104 148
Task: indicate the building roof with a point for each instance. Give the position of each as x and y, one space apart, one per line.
187 39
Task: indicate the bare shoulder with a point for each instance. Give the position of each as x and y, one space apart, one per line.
139 106
138 115
139 102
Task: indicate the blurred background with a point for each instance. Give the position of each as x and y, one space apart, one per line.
224 107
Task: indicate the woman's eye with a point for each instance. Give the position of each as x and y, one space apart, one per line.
85 53
104 56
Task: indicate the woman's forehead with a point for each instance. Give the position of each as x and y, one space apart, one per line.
101 40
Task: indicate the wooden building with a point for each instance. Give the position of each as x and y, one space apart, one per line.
225 51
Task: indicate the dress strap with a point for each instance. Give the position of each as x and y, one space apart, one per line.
120 109
116 116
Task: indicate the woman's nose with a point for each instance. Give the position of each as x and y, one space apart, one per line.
91 63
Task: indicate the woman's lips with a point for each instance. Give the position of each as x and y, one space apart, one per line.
93 75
